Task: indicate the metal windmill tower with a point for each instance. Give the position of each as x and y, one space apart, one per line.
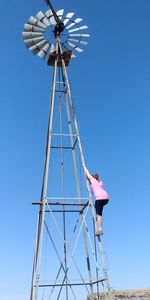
69 261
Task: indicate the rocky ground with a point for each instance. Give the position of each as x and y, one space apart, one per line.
139 294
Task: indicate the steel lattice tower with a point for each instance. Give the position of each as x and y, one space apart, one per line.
69 261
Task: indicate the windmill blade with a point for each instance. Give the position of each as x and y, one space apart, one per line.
52 49
52 20
29 35
44 51
78 49
50 17
79 35
37 39
42 18
34 21
73 56
79 28
60 13
41 44
36 48
48 13
68 17
28 27
76 21
75 47
78 41
30 42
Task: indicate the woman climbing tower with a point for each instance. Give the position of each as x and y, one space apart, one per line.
101 197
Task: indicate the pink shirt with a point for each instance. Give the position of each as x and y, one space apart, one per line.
98 190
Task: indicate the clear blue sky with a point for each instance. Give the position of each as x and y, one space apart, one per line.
111 87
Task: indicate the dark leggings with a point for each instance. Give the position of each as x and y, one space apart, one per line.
99 204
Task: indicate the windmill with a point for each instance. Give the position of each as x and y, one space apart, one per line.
69 261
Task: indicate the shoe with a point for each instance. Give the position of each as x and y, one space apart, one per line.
99 232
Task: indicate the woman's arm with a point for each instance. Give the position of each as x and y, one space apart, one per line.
88 175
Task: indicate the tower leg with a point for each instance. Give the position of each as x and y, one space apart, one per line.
69 98
41 218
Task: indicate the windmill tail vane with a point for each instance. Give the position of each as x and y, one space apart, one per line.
47 2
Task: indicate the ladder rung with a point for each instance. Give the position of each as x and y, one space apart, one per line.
63 82
61 147
59 91
72 283
65 147
60 203
67 198
68 211
63 134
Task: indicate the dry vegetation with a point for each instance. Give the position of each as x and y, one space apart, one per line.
140 294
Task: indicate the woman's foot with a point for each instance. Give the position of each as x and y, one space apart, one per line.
99 232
